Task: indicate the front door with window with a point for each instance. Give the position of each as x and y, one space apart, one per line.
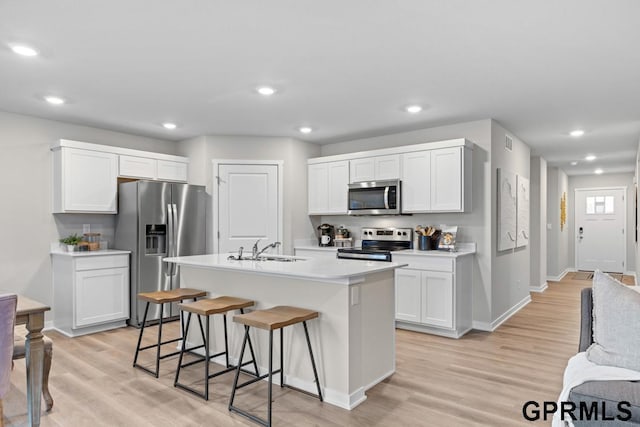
600 229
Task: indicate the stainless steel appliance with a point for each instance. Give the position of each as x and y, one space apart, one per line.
375 198
157 220
378 243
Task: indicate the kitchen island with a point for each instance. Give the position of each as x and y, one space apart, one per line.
353 339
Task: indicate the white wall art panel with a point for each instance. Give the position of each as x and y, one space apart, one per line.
523 203
507 215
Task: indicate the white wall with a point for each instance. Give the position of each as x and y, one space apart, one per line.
473 227
294 153
28 225
511 272
538 228
557 240
607 180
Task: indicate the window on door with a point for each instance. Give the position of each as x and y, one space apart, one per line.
600 205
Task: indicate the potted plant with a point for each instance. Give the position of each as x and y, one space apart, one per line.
71 241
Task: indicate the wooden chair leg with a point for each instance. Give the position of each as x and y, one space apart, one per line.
46 367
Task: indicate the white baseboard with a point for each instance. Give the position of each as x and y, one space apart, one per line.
490 327
541 288
331 396
560 276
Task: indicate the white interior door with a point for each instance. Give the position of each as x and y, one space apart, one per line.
600 216
248 206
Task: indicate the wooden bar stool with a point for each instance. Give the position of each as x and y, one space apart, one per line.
270 319
162 298
208 307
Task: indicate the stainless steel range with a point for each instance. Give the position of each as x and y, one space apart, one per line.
378 243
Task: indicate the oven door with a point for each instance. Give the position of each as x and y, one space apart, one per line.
374 198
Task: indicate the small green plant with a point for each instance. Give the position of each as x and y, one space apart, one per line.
73 239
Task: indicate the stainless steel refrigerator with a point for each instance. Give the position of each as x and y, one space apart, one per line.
157 220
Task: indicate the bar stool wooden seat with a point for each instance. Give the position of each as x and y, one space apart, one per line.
162 298
208 307
271 319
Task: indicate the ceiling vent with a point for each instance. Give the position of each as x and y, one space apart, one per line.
508 143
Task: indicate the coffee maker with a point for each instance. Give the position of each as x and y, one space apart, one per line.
326 234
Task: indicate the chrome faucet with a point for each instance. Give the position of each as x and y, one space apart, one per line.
240 249
257 253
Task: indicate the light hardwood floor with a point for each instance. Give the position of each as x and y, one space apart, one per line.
481 379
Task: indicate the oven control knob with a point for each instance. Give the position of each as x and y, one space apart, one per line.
404 233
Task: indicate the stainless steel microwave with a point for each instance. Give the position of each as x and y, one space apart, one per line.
375 198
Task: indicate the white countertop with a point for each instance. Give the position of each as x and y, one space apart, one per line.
90 253
464 249
338 270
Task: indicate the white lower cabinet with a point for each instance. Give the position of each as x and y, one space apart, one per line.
433 295
90 292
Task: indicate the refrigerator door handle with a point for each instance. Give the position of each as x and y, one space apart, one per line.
170 240
174 244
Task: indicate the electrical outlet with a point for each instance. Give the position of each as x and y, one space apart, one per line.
86 228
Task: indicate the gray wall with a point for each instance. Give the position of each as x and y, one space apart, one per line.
202 150
29 226
595 181
557 240
473 227
538 240
510 269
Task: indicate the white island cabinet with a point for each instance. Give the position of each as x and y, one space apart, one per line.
90 291
353 339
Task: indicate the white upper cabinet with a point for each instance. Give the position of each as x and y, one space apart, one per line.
361 170
172 171
446 180
84 181
416 181
85 176
386 167
435 176
327 188
437 180
374 168
137 167
145 167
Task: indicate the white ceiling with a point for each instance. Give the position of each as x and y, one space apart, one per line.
346 68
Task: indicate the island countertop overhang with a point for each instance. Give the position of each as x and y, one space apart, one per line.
341 271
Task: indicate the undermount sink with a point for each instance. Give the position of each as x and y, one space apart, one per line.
277 258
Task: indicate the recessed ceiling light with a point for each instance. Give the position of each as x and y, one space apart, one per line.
590 158
305 129
23 50
413 109
574 163
576 133
169 125
266 90
598 171
55 100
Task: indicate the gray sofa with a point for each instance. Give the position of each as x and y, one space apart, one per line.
610 392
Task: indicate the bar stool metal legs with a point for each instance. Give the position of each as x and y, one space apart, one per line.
270 374
207 357
161 298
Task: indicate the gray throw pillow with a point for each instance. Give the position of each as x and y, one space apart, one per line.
616 324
